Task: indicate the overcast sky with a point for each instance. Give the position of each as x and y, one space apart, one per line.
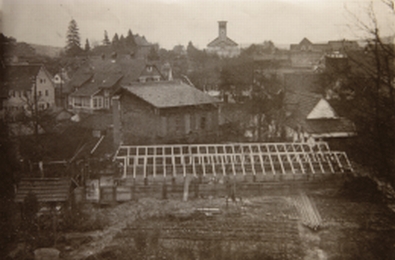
172 22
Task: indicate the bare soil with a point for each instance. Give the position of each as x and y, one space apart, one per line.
260 227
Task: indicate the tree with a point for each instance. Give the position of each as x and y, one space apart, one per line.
153 54
87 46
115 41
106 41
73 45
129 40
265 106
372 105
122 39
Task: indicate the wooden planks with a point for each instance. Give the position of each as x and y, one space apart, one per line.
231 159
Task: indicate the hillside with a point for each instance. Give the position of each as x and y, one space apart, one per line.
45 50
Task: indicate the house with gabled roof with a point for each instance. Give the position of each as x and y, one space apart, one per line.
96 93
94 85
309 115
307 46
27 86
164 112
223 46
307 54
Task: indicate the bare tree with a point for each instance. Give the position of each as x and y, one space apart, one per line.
372 77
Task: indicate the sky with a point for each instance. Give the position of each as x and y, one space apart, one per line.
172 22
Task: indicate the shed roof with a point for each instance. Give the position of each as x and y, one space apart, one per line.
170 94
45 189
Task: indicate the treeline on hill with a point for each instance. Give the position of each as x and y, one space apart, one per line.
118 44
10 47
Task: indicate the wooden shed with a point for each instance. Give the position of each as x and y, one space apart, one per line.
47 190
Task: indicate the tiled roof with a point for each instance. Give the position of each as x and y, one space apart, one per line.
302 82
217 41
147 72
97 121
128 67
86 91
98 73
305 41
20 77
100 80
46 189
301 103
323 126
79 78
107 80
170 94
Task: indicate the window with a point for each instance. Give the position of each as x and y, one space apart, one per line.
97 102
178 124
39 93
86 102
46 93
19 93
77 102
203 123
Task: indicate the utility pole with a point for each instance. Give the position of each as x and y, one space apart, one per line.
35 112
61 86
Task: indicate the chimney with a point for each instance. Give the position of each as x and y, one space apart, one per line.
117 124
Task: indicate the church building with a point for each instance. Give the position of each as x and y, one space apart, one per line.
222 45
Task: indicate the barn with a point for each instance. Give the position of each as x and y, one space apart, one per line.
164 112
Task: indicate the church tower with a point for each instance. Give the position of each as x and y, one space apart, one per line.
222 30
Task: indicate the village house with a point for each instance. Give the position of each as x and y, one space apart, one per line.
307 46
223 46
60 81
28 86
343 46
309 115
93 86
95 94
307 54
164 112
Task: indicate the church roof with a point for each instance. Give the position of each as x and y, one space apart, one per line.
219 42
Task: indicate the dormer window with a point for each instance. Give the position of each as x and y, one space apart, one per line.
149 68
